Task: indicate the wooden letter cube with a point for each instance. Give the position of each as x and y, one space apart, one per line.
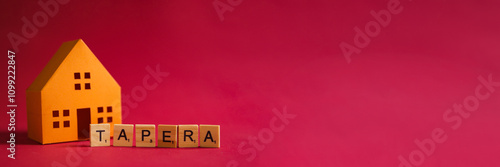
210 136
145 136
188 136
123 135
99 135
167 136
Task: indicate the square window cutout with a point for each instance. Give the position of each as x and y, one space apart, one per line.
77 75
55 124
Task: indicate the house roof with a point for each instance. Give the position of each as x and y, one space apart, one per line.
64 51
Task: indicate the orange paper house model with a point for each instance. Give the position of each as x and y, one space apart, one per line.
73 91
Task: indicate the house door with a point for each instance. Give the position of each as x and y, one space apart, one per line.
83 115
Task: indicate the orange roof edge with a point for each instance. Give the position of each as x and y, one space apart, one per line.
52 65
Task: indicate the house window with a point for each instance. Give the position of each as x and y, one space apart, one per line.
55 124
100 120
110 119
65 113
66 124
87 85
100 110
77 75
110 109
78 87
55 114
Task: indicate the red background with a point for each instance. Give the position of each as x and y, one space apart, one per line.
273 54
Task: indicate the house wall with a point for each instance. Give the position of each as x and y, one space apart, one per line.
34 115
